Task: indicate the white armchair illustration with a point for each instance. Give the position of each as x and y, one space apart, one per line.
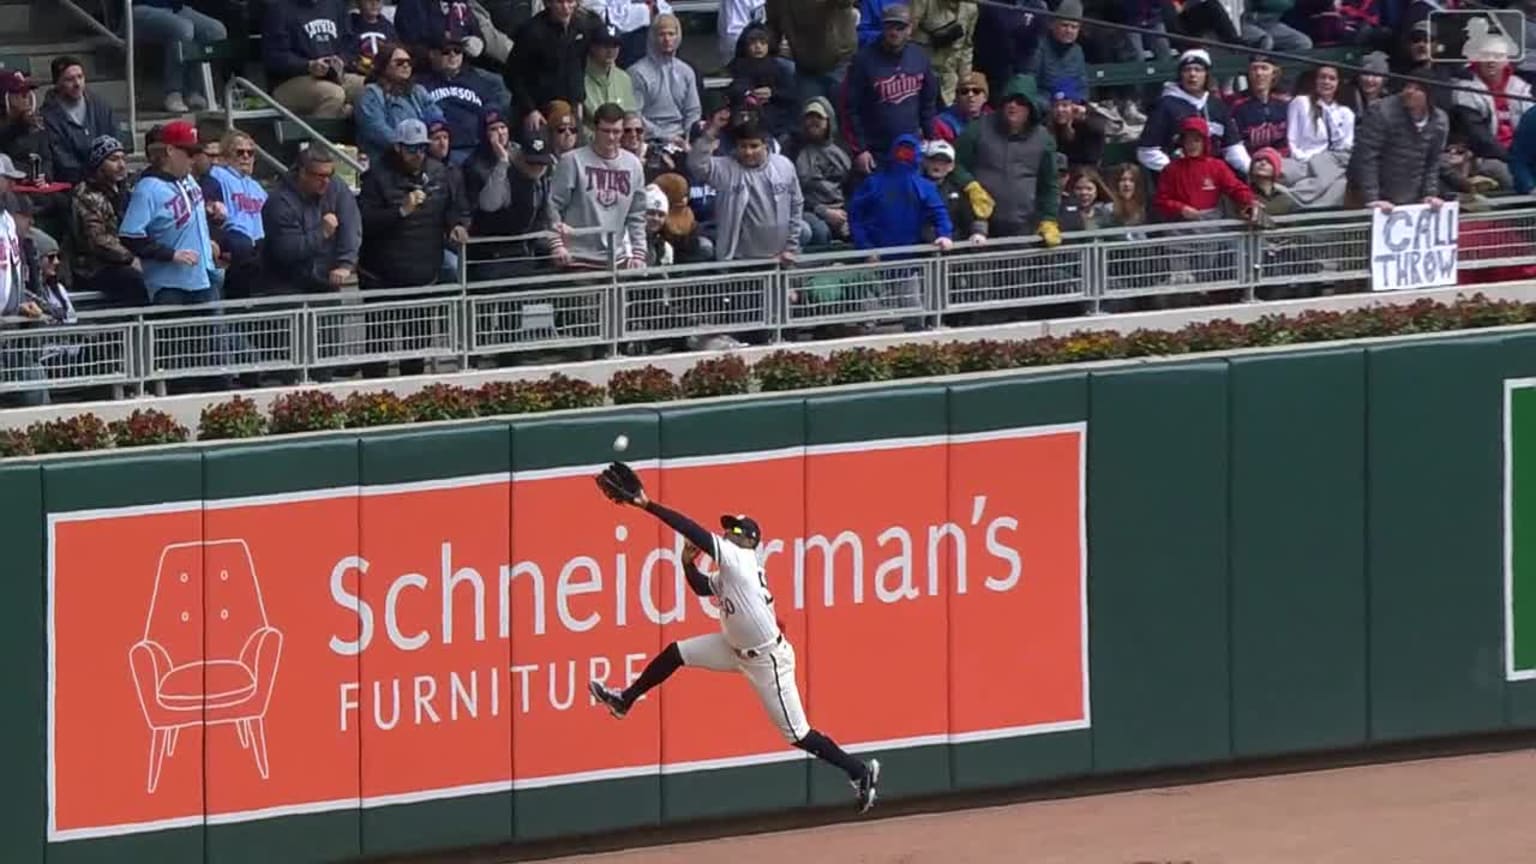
208 656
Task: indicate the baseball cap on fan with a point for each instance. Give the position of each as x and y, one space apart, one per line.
745 526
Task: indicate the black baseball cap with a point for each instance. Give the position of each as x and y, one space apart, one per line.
536 146
743 525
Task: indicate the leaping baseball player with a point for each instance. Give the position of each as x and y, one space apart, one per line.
750 640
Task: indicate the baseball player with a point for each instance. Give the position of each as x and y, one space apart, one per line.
750 640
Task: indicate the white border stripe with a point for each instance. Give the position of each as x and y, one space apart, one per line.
1511 672
675 769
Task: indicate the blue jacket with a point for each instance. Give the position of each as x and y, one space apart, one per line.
295 32
1522 154
378 113
893 205
464 100
870 25
887 95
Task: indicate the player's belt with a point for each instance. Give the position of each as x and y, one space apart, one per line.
754 653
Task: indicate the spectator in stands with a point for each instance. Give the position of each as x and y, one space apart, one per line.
759 210
243 238
970 103
1007 166
74 118
16 301
1490 116
605 81
1189 96
732 17
1522 154
165 226
180 29
656 160
1321 133
1194 185
947 28
1396 159
563 126
1345 22
440 147
411 213
204 158
633 21
758 79
1463 172
100 261
1138 47
440 143
305 45
822 37
939 167
824 170
1262 27
22 133
1417 59
549 60
680 229
599 186
891 91
426 24
52 298
897 204
1079 135
1088 206
1369 86
313 228
1128 196
370 31
391 98
464 95
1200 19
1058 62
508 185
666 87
1261 113
1264 175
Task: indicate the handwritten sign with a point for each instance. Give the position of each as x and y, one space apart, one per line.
1414 246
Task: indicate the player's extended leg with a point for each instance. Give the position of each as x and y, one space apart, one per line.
773 676
705 652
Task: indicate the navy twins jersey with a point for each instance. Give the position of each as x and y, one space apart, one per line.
1261 124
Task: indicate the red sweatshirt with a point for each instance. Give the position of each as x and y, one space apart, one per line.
1197 181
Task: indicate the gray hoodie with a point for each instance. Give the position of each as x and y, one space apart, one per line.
772 189
589 191
668 93
823 166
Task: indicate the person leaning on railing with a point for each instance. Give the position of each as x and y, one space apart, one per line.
19 358
165 225
313 227
508 184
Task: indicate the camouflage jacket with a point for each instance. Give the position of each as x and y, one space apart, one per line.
98 208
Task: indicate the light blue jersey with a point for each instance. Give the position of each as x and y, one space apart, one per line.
243 200
170 212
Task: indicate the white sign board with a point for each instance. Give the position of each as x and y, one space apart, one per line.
1414 246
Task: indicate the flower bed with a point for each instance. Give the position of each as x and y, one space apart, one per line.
308 410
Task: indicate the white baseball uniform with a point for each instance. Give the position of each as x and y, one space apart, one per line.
749 640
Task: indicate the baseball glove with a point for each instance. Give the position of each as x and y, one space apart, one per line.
620 484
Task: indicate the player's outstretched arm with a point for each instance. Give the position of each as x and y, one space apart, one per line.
696 580
692 531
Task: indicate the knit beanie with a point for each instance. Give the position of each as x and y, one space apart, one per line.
101 150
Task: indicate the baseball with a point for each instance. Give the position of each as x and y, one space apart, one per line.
621 443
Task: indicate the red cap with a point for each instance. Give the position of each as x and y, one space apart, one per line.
180 133
14 81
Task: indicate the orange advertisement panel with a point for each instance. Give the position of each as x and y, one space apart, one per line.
234 660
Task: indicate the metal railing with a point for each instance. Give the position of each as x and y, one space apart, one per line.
238 85
612 309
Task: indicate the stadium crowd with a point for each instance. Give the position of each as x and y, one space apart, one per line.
579 135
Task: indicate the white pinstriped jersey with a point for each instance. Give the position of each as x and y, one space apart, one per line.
741 589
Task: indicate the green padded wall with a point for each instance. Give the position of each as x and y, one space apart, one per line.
1157 552
1298 551
122 480
874 691
984 407
23 725
415 457
1519 356
1434 555
273 469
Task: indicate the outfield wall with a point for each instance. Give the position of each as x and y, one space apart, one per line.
1031 576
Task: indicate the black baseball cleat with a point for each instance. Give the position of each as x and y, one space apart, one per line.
866 785
609 698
